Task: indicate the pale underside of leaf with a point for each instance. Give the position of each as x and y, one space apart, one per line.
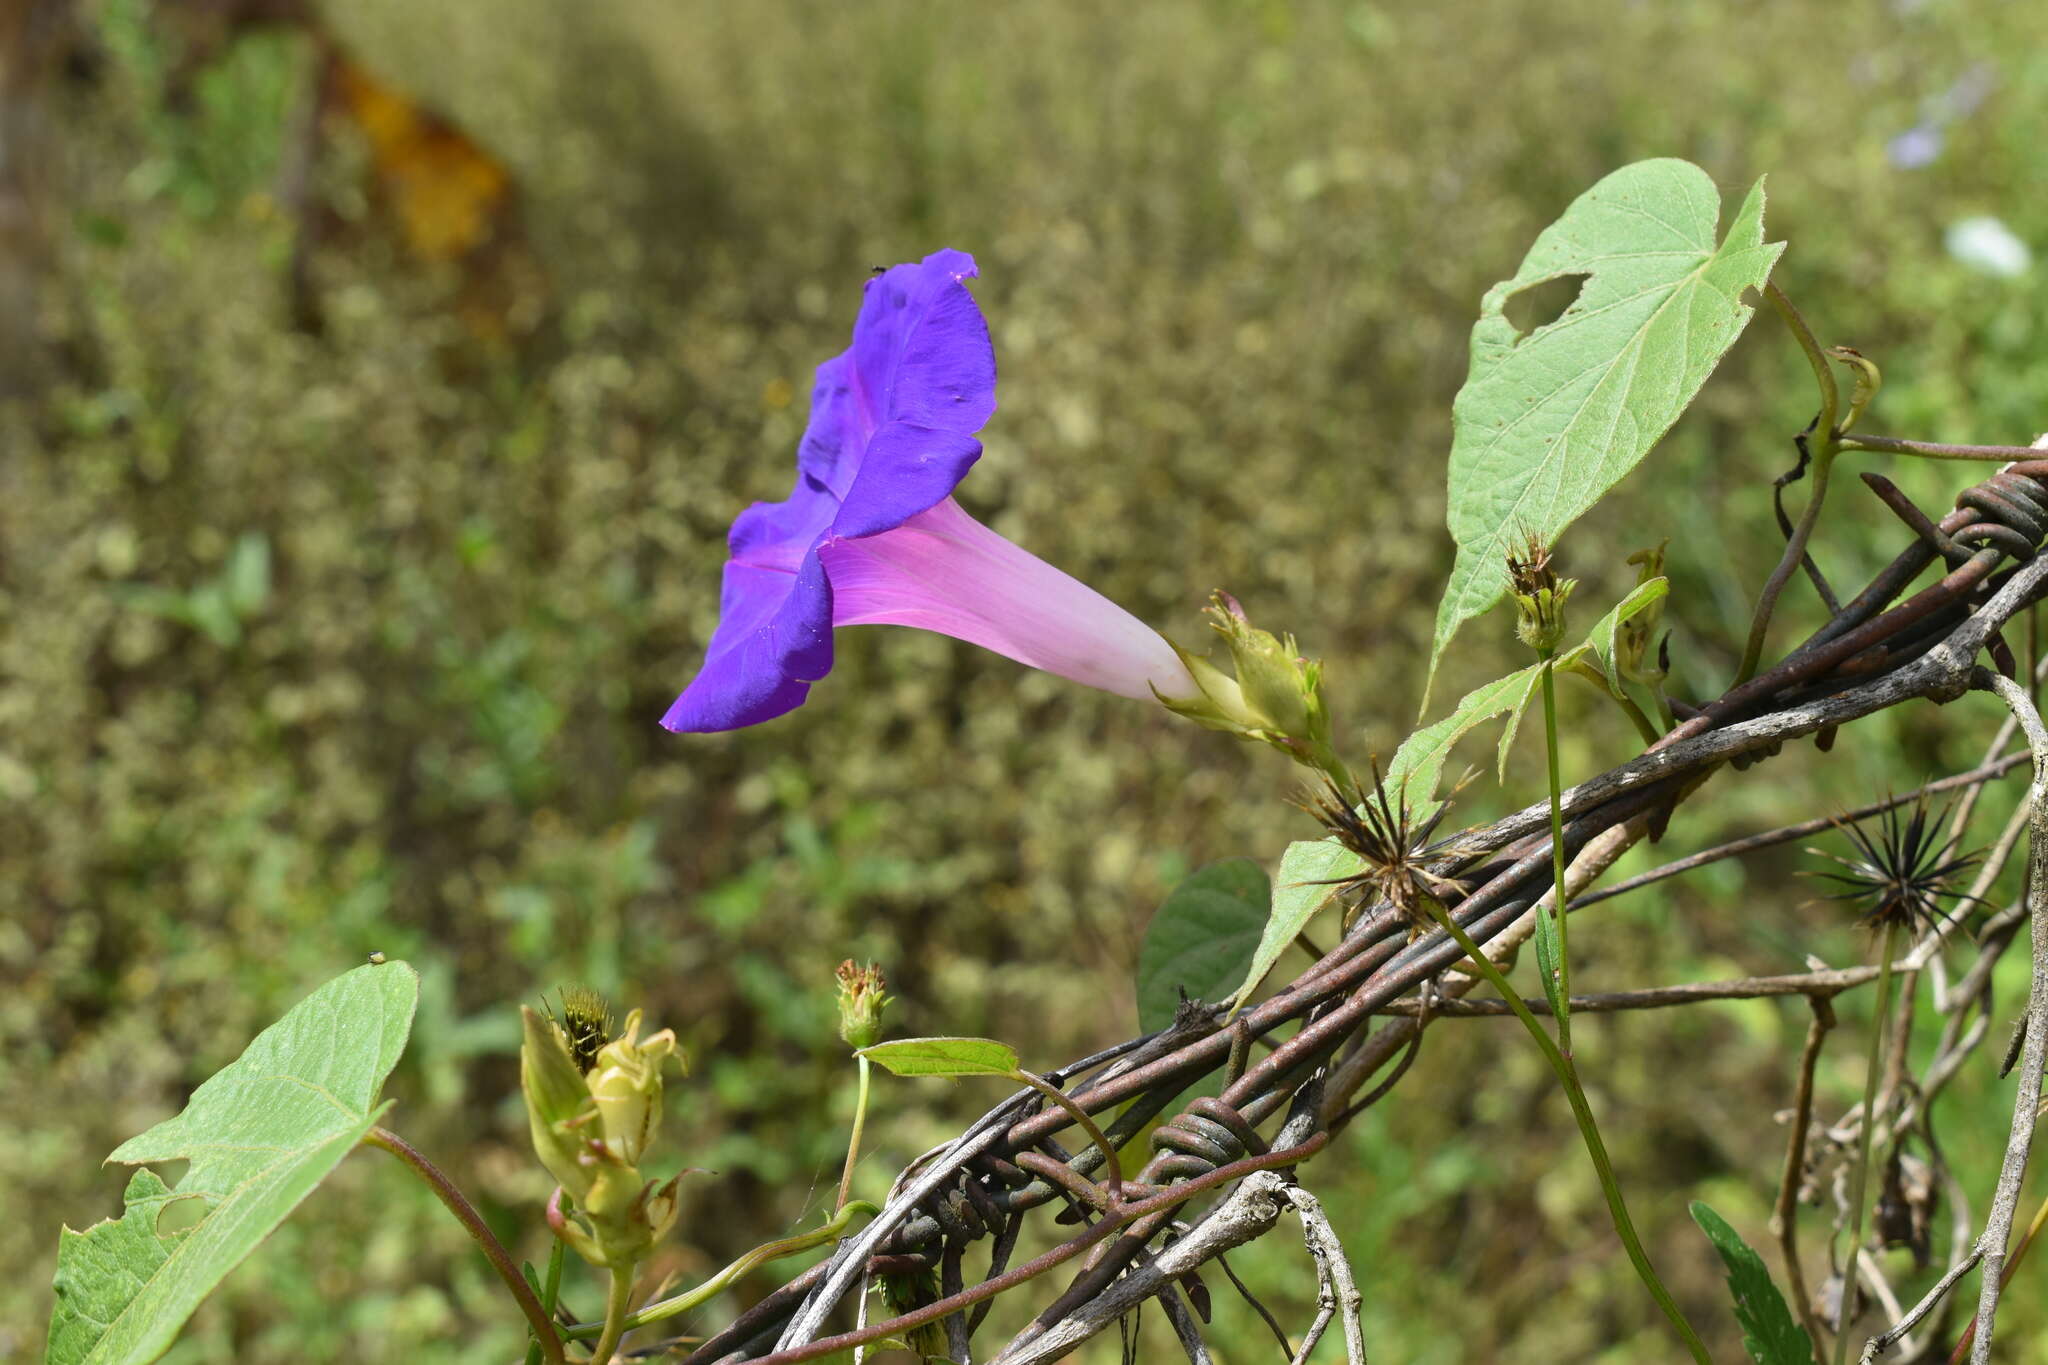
1546 423
260 1135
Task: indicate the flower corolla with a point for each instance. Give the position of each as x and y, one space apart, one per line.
871 534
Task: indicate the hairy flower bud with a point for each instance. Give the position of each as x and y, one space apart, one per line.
861 1003
1539 596
1276 695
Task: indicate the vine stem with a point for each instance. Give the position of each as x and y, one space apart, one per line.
744 1265
1558 908
618 1307
1861 1185
1938 450
860 1118
1824 441
550 1292
1568 1077
2034 1056
494 1251
1113 1169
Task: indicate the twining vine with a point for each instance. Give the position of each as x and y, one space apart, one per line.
1548 421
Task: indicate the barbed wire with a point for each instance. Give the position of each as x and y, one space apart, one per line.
1869 657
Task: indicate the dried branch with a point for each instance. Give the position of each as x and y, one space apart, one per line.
1896 1333
1336 1291
1250 1210
2027 1100
1184 1326
1822 985
1785 1213
1973 780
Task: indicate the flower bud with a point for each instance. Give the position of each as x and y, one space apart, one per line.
557 1101
861 1003
592 1127
1276 695
626 1084
1539 596
1280 689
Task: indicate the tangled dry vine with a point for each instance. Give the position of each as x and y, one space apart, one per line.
1359 1019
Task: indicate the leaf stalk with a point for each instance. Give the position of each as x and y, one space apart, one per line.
494 1251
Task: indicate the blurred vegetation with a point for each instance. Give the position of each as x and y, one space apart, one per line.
314 643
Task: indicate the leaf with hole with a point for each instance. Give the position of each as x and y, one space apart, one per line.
1202 939
948 1057
1769 1333
259 1135
1547 422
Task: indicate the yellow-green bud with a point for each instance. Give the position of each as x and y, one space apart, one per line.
861 1003
557 1101
1278 686
626 1084
1539 596
591 1129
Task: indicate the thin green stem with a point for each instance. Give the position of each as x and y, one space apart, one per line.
1114 1168
618 1306
494 1251
1663 708
745 1265
1821 446
1557 908
1568 1077
860 1118
1861 1184
551 1288
1823 374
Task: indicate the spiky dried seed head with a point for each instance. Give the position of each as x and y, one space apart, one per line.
1902 873
1387 838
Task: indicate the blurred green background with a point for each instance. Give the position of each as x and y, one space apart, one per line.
363 489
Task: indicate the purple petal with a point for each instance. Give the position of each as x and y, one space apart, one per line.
890 434
921 351
906 470
774 639
777 535
838 429
944 571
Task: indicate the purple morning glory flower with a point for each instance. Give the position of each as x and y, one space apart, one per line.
871 534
